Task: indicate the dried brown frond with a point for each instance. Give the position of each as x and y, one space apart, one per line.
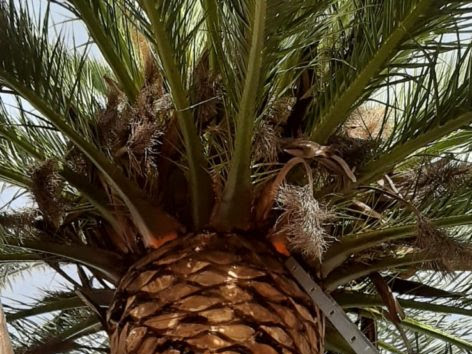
142 148
47 188
148 61
303 221
436 243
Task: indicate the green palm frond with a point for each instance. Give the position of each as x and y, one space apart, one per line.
382 40
433 108
175 35
425 337
46 90
57 302
69 330
191 115
116 38
30 240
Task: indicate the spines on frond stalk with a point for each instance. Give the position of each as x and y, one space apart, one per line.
235 207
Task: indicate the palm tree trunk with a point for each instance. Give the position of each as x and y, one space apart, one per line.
211 293
5 344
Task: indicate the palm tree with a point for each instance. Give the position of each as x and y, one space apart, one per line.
173 175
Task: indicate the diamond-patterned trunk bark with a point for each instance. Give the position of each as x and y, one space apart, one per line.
213 294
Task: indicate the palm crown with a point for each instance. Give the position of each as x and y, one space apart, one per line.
335 130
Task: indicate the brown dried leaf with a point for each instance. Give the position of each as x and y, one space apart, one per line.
394 308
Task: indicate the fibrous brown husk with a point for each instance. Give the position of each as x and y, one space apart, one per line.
47 188
303 221
212 293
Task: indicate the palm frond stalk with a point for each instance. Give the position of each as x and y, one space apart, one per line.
176 159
